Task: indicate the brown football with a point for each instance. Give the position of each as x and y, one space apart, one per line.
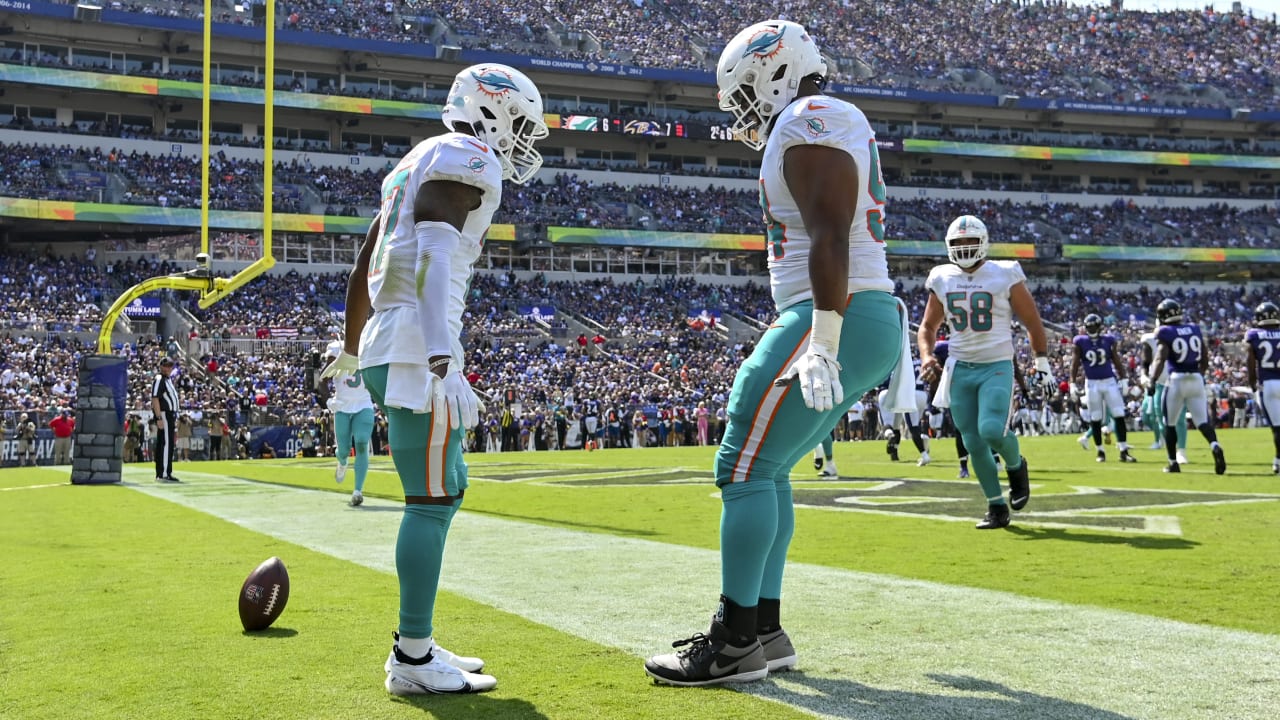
264 594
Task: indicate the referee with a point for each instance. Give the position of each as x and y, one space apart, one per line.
164 404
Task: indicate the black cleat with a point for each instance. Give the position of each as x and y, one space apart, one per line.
893 452
1102 455
709 660
817 463
997 517
1126 457
1219 460
1019 487
779 653
1172 467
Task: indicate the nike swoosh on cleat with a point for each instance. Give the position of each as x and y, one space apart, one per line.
717 671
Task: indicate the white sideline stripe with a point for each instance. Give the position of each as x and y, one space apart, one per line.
35 487
870 646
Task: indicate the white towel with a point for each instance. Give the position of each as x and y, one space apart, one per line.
408 387
902 386
942 398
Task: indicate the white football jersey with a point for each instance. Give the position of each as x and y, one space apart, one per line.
1150 339
976 306
349 394
393 334
822 120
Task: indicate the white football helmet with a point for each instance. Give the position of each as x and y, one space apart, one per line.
759 74
504 109
969 254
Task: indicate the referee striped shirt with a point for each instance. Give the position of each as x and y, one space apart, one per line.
167 393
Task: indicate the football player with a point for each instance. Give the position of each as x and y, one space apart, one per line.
352 423
839 331
1104 383
978 298
413 271
1264 369
1184 356
1153 403
914 420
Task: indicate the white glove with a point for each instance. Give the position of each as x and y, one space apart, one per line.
818 371
344 364
452 396
1124 387
1044 374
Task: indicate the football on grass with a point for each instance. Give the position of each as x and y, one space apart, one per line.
263 595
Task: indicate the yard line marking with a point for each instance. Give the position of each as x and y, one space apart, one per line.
870 646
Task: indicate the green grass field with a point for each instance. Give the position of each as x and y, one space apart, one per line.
1121 592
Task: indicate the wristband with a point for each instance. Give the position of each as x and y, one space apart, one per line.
825 336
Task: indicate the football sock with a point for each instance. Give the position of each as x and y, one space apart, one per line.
1122 433
1209 433
738 620
1010 450
827 446
1170 442
984 466
916 439
1096 429
748 526
415 648
1275 439
419 552
961 451
776 561
767 616
362 465
1181 428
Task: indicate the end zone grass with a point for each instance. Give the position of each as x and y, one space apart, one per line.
117 604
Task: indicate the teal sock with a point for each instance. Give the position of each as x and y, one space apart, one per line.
748 526
362 466
419 553
984 466
771 584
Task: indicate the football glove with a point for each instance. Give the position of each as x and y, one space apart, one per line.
818 371
1044 374
344 364
452 396
1124 387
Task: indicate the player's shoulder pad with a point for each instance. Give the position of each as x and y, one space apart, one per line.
822 120
1079 339
1011 269
462 158
938 273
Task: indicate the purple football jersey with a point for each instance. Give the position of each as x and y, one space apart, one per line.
1095 356
1186 345
1266 349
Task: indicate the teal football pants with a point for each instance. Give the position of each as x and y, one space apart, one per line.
354 429
428 459
981 395
769 430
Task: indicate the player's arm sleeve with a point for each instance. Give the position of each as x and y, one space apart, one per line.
436 243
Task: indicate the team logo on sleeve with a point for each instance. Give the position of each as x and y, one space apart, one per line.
494 82
815 127
765 44
476 164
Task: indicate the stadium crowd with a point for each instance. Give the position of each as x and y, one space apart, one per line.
647 376
172 181
1043 49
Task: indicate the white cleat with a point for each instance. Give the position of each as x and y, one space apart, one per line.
829 471
340 474
924 459
466 664
1181 457
1156 446
1084 441
434 676
357 499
